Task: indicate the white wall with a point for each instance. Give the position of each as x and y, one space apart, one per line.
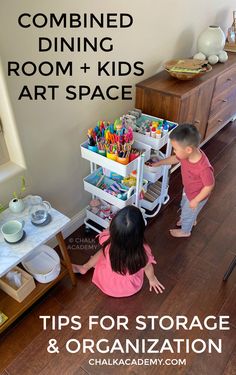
51 132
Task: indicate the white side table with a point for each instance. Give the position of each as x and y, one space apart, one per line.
13 254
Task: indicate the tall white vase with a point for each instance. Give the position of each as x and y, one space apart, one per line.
211 41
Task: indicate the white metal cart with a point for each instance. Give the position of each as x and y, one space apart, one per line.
143 142
123 170
162 173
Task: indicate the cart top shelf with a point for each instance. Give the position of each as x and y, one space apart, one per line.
103 161
154 143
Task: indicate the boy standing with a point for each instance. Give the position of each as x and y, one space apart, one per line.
197 175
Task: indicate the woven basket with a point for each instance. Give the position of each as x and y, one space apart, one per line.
181 75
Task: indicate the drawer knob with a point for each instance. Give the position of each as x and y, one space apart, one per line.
197 121
224 100
220 120
229 79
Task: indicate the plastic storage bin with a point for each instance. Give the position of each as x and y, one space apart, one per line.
44 264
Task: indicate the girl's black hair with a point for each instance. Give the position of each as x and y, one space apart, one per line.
127 253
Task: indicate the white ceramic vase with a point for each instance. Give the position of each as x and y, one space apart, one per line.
211 41
16 205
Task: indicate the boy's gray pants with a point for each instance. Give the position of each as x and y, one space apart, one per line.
188 215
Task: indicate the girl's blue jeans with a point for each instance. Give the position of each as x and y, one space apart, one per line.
188 215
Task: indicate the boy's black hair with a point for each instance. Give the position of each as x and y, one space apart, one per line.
127 253
187 134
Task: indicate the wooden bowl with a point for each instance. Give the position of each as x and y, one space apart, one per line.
188 76
184 76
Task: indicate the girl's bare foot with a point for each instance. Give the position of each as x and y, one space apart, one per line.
77 268
179 233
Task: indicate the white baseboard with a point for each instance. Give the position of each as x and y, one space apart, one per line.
71 227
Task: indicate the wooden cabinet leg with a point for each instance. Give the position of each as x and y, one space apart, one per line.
66 257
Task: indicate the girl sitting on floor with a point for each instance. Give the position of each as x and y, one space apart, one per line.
124 257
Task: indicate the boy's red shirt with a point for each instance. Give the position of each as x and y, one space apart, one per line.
196 175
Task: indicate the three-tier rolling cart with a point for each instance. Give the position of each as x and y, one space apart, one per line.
155 184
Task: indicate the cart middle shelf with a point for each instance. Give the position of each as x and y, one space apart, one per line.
90 185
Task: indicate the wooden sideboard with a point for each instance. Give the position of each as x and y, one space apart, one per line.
208 101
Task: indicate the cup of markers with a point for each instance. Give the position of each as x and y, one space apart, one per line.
101 148
113 141
155 129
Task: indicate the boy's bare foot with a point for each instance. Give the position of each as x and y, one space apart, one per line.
179 233
77 268
178 224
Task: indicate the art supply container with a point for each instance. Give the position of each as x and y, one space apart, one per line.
112 156
123 160
133 156
102 152
158 134
153 132
93 148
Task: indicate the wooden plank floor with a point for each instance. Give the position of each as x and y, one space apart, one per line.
191 270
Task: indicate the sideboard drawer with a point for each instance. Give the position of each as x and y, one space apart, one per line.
226 99
225 81
220 118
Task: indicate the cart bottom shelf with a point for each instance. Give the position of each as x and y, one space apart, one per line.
13 309
90 224
161 199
